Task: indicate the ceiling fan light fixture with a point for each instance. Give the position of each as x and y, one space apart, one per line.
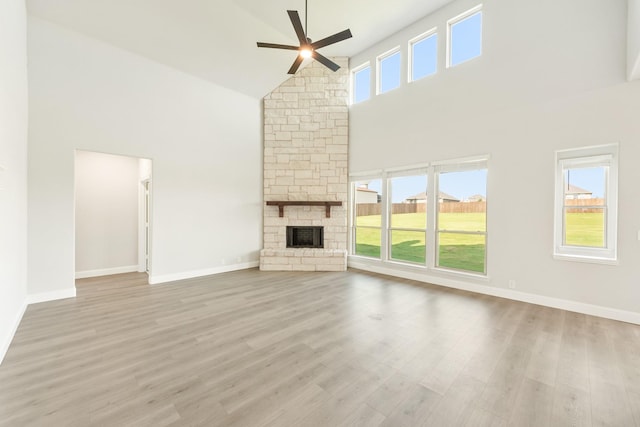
307 48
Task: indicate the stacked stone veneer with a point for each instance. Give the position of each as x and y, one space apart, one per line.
306 132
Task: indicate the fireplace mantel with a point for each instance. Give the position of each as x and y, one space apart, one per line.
282 203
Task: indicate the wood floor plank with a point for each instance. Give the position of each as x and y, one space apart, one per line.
571 407
533 405
610 405
251 348
456 407
390 393
543 364
415 409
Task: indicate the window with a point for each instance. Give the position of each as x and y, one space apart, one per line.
426 216
586 203
461 222
423 51
367 224
464 37
389 71
361 81
408 216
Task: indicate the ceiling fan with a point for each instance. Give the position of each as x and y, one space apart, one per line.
307 48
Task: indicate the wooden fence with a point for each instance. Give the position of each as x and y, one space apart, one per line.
366 209
585 202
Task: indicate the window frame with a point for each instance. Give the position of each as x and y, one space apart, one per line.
431 245
390 228
379 59
410 57
457 19
464 165
354 72
594 156
353 218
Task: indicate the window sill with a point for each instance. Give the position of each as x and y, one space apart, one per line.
423 269
586 259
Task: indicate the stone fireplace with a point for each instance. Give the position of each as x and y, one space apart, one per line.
306 132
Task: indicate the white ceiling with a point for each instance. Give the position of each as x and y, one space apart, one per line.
216 39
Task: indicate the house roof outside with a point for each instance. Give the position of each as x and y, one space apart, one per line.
574 189
367 190
423 196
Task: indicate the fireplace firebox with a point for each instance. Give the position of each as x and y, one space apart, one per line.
305 237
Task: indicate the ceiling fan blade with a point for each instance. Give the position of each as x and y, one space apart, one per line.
325 61
297 26
278 46
296 65
338 37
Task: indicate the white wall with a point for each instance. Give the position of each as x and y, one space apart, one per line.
552 76
204 141
13 167
633 40
106 213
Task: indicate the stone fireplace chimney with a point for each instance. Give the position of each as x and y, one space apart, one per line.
306 133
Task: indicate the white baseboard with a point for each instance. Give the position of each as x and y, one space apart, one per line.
155 280
51 296
6 342
563 304
106 271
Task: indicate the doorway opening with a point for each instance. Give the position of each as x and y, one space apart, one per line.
113 214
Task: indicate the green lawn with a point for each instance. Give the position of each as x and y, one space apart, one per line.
459 251
585 229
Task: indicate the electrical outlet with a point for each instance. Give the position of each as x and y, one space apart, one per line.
223 261
638 234
512 284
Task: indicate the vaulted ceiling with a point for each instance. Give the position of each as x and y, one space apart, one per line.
216 39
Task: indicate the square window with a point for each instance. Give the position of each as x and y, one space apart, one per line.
465 37
361 84
389 71
424 56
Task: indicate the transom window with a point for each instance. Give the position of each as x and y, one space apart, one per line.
463 43
389 71
464 37
361 83
424 55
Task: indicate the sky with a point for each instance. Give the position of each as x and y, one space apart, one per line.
466 42
425 57
592 179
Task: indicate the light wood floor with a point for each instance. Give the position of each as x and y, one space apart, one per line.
313 349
